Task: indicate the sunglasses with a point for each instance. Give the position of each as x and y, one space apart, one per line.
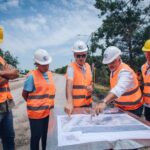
83 56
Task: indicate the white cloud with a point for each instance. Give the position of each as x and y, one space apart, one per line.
8 4
56 30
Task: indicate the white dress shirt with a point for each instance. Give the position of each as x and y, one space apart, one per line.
125 82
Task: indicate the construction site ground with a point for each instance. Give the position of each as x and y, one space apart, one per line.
21 123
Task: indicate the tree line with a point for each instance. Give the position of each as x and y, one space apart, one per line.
9 58
126 25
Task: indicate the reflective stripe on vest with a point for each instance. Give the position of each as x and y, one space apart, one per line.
130 103
79 92
41 96
41 100
131 99
4 89
146 80
131 92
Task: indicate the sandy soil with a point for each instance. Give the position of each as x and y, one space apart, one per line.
21 123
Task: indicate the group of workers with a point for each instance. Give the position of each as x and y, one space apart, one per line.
39 91
124 91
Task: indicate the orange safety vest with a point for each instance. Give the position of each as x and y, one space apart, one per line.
41 100
146 90
4 89
81 97
132 98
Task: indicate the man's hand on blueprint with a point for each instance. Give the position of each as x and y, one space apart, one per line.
99 108
69 109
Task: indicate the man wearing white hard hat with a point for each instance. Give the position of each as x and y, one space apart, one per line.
39 93
79 80
125 91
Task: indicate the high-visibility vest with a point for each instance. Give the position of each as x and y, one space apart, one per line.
41 100
81 97
4 89
132 98
146 80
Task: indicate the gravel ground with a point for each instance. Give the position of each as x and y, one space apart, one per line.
21 123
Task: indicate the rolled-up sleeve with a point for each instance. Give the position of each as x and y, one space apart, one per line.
125 82
29 84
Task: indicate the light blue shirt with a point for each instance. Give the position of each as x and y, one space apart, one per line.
29 82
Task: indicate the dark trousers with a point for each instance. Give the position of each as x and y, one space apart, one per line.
147 113
138 111
7 133
38 129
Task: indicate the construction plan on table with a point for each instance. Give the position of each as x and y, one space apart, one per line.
82 128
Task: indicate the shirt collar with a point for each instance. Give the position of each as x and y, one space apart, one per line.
81 67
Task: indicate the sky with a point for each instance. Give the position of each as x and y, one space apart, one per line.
53 25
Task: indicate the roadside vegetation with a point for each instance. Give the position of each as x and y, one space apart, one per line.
125 24
9 58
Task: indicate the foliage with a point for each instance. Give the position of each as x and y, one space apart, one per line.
9 58
100 72
125 25
24 72
61 70
100 91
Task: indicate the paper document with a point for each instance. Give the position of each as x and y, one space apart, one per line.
105 127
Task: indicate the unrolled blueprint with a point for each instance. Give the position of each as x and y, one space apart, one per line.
81 128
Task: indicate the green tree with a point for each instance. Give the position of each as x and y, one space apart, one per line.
125 25
9 58
61 70
1 52
101 72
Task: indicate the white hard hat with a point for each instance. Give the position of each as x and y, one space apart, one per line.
42 57
79 46
110 54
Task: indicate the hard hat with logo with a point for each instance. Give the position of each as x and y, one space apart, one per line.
146 47
42 57
79 46
1 34
110 54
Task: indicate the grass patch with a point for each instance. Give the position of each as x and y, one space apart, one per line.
99 89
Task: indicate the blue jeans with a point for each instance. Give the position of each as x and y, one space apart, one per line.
7 131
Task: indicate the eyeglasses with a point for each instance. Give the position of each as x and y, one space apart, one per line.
83 56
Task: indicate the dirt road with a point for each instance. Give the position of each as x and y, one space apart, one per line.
21 123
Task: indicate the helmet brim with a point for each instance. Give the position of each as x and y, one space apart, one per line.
43 63
78 51
105 62
145 50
